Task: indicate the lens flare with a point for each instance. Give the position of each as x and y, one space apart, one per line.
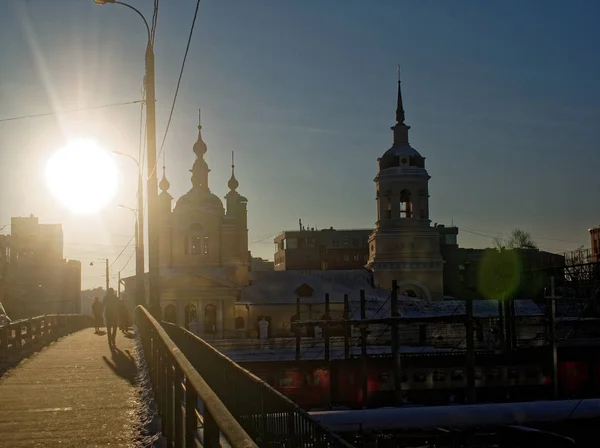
82 176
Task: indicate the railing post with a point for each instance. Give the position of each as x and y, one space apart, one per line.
18 338
168 418
191 423
4 336
178 408
211 437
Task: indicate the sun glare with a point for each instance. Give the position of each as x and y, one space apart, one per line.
82 176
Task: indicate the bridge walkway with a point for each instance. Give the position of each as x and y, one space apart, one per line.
76 392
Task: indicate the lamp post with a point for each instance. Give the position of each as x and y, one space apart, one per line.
140 287
139 232
152 189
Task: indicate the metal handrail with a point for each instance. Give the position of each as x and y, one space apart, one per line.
269 417
175 380
18 337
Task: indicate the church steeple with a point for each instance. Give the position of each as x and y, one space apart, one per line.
200 169
164 183
233 182
400 129
164 198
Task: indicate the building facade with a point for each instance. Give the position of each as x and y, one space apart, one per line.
404 246
36 279
327 249
203 247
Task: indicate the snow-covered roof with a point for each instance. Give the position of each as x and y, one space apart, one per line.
280 286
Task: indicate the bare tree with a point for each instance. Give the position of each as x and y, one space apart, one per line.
518 239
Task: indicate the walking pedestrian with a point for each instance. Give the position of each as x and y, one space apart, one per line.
111 314
97 309
123 316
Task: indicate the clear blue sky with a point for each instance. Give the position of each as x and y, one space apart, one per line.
502 98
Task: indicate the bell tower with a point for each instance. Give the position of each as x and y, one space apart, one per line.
404 246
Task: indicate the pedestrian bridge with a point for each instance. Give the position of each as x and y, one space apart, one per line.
62 385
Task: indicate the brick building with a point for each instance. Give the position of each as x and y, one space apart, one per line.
328 249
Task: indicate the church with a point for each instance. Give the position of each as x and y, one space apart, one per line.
204 259
203 249
404 246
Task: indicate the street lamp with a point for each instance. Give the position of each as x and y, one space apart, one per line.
152 172
139 232
140 287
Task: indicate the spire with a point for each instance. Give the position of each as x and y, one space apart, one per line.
233 182
200 147
164 183
400 129
399 107
200 169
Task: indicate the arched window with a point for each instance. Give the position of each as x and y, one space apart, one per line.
405 204
388 209
210 319
171 314
196 240
239 323
190 315
205 245
409 293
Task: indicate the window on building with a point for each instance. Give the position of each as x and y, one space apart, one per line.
312 243
346 257
195 239
439 375
240 324
336 243
355 242
210 319
190 315
457 375
205 245
420 377
291 243
405 204
345 242
355 257
388 211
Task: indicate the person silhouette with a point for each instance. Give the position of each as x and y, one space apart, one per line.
111 315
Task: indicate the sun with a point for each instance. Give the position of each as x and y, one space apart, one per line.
82 176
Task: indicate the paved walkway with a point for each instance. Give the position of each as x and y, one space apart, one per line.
74 393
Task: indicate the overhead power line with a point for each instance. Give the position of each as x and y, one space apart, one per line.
187 48
68 111
121 253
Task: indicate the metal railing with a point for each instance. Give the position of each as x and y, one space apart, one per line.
20 337
271 419
191 413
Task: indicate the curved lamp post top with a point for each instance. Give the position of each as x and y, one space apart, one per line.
103 2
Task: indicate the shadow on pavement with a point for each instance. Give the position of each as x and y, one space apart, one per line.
122 363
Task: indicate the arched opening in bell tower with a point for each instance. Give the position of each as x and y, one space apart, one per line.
405 204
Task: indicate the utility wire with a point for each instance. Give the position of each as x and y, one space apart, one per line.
24 117
121 253
187 48
154 21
